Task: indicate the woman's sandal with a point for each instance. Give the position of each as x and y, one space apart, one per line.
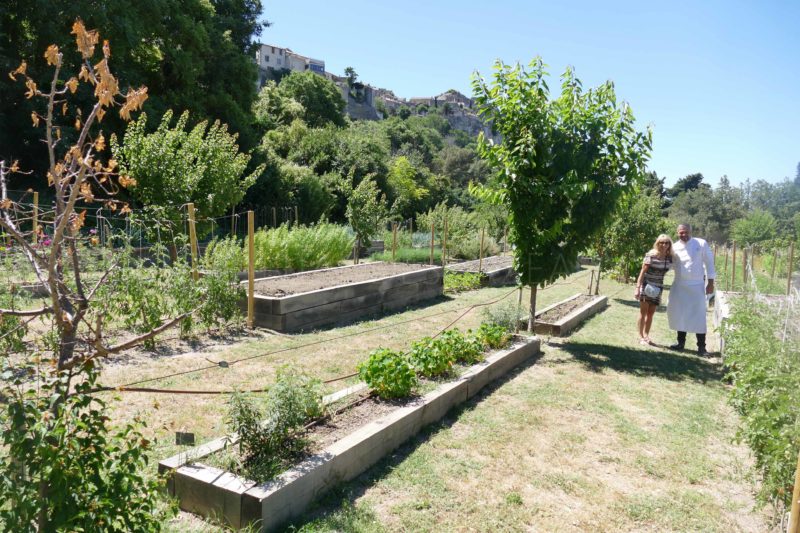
644 342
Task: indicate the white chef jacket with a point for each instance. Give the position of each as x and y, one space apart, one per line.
694 263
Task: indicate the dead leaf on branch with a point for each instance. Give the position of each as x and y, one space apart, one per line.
77 221
106 49
86 192
126 181
14 166
64 108
21 69
85 75
100 143
52 56
85 40
5 203
72 84
31 85
133 102
35 119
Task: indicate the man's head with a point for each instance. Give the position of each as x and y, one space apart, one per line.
684 232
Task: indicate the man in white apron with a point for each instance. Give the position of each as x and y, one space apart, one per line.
694 264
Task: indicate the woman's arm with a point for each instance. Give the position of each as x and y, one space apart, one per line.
640 279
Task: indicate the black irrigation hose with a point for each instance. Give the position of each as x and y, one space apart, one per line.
223 364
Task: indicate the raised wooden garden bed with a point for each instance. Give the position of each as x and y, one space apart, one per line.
215 493
308 300
562 317
495 271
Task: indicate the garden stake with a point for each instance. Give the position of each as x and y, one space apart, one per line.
480 253
744 268
433 234
356 248
35 216
789 276
394 240
444 244
726 268
591 282
774 262
251 270
519 310
794 516
733 268
193 242
296 217
274 219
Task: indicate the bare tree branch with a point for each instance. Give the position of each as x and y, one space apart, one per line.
107 350
31 312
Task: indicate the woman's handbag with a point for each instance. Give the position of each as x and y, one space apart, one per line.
651 291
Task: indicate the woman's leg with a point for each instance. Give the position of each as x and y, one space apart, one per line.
643 305
648 321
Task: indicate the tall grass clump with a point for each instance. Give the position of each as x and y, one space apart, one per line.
761 350
409 255
302 247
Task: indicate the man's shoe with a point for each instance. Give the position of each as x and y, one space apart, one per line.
677 347
701 352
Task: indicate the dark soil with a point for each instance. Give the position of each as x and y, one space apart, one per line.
495 262
555 314
280 286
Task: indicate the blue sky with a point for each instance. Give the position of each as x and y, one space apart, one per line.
719 81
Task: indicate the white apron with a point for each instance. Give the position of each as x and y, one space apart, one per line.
693 262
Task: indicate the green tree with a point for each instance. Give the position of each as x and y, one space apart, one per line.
366 210
689 183
351 75
562 166
321 99
406 184
758 226
172 166
273 108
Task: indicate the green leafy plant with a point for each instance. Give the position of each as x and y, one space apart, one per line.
467 349
461 281
388 373
302 247
503 314
64 468
761 347
431 357
493 336
409 255
270 438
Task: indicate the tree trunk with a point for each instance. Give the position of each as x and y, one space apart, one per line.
532 316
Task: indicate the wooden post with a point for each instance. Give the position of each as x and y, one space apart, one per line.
519 310
599 272
744 268
733 268
794 514
274 218
35 217
433 235
193 242
591 282
444 244
791 266
532 316
251 270
726 268
296 217
480 252
394 240
774 262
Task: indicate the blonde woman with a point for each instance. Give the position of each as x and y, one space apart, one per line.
650 284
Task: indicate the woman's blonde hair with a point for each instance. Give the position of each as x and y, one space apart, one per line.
662 238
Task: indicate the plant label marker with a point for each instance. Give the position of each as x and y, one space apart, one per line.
193 242
251 270
184 438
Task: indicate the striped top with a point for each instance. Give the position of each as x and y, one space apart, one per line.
657 270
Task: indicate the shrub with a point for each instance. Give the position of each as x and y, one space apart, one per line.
389 374
464 349
765 372
505 314
493 336
62 467
409 255
431 357
302 247
270 439
461 281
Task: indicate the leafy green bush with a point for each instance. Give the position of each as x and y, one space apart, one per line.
493 336
461 281
302 247
505 314
62 467
431 357
388 373
269 439
765 372
409 255
466 349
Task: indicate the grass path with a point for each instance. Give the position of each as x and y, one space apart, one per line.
599 434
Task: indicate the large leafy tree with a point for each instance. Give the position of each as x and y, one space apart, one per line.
191 54
758 226
321 99
562 166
